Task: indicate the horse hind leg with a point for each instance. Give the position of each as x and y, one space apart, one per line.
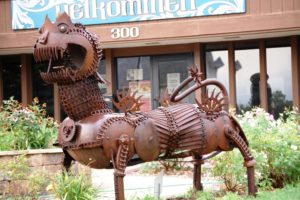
248 158
197 173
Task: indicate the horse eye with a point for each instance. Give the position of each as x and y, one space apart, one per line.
62 28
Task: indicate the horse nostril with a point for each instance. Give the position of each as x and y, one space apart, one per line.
43 38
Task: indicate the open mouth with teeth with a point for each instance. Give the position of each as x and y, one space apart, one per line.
63 64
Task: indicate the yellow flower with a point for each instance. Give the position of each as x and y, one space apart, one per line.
36 100
49 187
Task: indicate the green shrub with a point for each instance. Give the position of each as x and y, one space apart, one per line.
73 187
23 182
38 182
275 145
25 127
229 167
151 167
15 169
170 166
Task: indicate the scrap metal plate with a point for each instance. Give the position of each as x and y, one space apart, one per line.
146 139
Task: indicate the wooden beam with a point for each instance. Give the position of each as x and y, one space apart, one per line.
202 59
197 55
56 102
149 50
26 79
296 70
1 83
232 76
263 88
199 62
109 71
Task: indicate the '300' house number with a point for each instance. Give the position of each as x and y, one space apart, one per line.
125 32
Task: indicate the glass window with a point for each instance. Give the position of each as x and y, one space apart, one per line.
280 79
153 76
102 72
12 77
247 79
172 70
134 73
41 89
217 66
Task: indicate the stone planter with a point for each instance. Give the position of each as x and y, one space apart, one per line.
47 160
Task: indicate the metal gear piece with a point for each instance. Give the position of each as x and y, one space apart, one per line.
67 129
211 104
128 102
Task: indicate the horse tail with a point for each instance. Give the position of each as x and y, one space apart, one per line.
175 96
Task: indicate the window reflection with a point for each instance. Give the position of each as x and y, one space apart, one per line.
172 70
247 79
126 72
280 80
217 66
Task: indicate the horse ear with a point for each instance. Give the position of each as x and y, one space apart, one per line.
65 18
47 21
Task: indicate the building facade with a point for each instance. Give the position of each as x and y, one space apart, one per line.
253 49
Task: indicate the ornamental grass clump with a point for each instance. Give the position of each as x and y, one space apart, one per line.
73 186
275 145
25 127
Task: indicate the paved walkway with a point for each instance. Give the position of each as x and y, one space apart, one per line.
137 185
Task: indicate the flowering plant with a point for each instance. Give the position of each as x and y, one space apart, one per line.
275 145
25 127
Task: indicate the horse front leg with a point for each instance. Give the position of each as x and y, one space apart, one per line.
120 163
67 161
248 158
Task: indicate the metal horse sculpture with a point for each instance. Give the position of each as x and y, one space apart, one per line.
95 136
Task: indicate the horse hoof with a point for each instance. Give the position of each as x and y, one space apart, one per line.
250 163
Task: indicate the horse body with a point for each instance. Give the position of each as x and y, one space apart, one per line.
158 134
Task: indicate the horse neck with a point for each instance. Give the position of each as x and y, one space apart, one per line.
82 99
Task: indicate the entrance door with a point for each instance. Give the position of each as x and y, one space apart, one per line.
168 72
134 73
150 76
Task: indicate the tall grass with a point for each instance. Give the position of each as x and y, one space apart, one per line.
74 187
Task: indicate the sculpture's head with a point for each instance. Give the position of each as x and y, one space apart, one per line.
71 52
